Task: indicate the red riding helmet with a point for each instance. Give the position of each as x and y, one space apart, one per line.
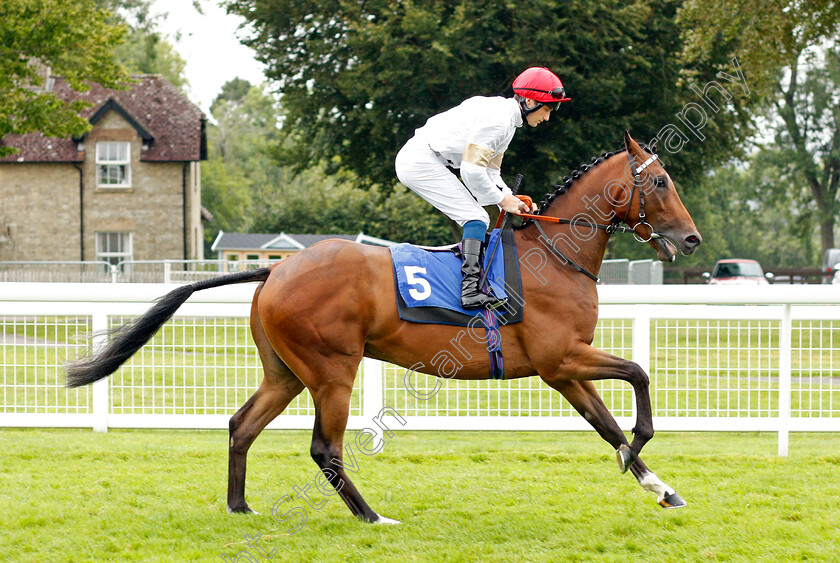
541 85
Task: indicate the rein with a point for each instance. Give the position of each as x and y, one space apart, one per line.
613 227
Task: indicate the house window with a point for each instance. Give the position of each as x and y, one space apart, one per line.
113 164
113 247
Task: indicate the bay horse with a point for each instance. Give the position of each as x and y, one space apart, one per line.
314 316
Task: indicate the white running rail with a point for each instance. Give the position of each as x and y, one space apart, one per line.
740 358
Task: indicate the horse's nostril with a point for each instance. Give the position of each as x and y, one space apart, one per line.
693 240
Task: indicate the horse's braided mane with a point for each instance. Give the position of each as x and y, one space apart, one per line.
566 182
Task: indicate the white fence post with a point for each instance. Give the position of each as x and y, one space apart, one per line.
785 342
99 390
372 388
167 272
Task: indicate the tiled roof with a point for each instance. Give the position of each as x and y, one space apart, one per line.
282 241
154 107
35 147
309 240
241 241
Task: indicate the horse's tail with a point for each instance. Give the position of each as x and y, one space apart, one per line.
130 337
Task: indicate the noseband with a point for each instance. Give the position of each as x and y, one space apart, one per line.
614 227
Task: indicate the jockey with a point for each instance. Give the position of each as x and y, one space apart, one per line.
473 137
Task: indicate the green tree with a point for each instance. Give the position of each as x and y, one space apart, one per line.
314 202
247 190
790 49
74 40
150 53
239 165
760 220
357 78
145 49
225 193
233 90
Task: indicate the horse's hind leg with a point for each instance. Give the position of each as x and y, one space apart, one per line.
332 408
270 399
583 396
278 388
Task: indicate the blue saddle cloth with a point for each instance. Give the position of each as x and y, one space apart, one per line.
428 283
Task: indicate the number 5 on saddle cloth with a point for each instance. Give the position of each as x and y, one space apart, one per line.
428 288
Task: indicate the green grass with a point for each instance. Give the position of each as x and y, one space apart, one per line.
72 495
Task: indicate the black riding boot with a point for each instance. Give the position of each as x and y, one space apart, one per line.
471 295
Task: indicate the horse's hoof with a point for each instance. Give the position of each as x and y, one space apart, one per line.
624 457
241 510
382 520
672 500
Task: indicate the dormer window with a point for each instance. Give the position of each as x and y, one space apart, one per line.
113 164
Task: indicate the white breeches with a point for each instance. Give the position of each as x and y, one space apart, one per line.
419 169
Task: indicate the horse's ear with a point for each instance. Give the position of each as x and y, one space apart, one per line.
627 140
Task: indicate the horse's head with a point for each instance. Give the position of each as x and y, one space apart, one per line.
650 204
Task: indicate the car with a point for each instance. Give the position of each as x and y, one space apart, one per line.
836 279
831 264
737 271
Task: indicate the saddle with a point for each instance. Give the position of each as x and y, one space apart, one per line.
428 282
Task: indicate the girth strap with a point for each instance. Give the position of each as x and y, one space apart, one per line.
494 344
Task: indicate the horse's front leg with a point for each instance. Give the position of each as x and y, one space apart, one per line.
583 396
585 363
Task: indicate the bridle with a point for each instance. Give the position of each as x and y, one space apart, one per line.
637 182
614 227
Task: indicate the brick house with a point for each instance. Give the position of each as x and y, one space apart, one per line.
130 189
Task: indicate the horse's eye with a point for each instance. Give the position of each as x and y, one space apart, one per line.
661 182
